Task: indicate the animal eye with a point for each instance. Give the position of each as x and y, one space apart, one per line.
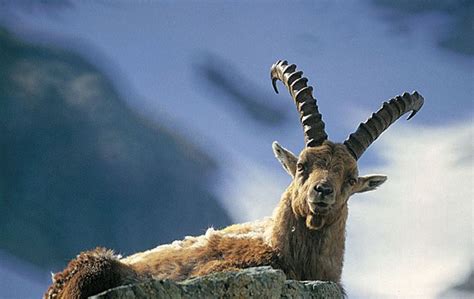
352 181
300 167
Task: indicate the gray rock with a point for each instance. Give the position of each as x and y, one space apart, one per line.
260 282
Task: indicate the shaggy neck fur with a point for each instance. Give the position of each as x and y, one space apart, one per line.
308 254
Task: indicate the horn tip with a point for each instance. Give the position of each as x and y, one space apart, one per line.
274 80
419 101
412 114
274 73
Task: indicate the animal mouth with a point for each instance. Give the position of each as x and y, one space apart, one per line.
322 204
319 207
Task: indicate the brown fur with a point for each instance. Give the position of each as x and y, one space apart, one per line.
90 273
311 245
218 253
306 241
309 254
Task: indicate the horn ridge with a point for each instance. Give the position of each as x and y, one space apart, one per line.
390 112
306 104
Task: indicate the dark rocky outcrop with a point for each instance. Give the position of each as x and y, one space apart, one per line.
80 169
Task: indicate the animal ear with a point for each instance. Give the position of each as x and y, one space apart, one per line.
287 159
369 182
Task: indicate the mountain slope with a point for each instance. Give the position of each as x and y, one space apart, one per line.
79 169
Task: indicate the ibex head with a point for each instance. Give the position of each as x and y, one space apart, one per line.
325 174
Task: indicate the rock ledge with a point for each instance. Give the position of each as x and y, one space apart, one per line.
260 282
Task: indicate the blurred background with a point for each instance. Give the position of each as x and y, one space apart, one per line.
128 124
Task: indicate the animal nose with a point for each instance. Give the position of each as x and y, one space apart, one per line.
324 189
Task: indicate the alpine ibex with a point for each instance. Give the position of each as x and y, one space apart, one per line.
305 237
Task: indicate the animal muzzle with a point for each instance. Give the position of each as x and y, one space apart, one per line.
323 189
321 197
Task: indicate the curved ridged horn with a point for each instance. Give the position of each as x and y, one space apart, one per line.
392 110
301 93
